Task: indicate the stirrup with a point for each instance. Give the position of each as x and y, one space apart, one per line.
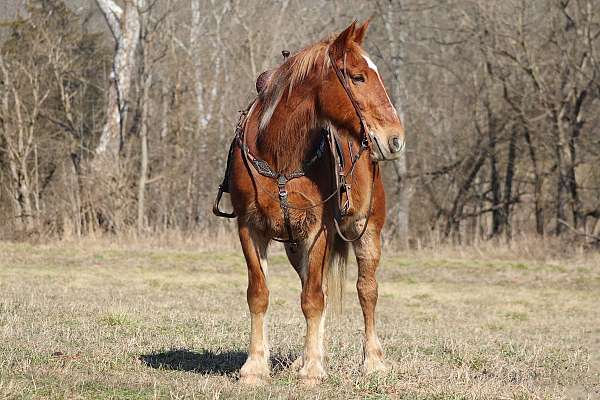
216 209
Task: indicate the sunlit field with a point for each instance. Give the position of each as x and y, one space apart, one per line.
128 321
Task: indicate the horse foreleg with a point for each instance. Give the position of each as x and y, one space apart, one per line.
368 253
257 365
310 261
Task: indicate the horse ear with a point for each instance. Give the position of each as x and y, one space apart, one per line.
361 31
344 39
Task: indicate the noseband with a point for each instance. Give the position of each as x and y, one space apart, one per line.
343 187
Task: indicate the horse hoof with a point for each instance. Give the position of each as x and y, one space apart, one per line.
374 366
254 380
254 372
312 373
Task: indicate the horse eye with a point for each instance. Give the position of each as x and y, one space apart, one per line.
358 78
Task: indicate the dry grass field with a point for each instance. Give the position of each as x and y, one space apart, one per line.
102 320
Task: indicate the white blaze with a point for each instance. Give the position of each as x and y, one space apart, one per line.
372 65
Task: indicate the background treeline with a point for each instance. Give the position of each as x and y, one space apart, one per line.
116 115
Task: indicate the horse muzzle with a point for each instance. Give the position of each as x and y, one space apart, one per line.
386 150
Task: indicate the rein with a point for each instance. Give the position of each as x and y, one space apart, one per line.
329 138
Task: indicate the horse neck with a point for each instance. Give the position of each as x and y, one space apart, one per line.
291 136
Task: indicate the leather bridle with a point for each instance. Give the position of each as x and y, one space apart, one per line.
365 144
342 186
342 76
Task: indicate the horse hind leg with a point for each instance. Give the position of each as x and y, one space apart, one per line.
368 253
257 366
310 260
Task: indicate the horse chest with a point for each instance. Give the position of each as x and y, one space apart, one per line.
267 216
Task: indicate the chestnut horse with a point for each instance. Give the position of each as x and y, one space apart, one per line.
331 89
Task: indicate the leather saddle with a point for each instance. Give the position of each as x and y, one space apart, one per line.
263 80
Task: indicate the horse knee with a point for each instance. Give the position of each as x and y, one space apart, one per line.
367 288
258 298
313 302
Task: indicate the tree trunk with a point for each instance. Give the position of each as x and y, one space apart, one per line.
508 182
143 178
559 197
497 221
18 123
537 174
125 26
403 189
455 214
106 196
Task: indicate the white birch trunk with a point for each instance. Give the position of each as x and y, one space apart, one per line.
125 26
195 42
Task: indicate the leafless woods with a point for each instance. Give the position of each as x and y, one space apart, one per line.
116 115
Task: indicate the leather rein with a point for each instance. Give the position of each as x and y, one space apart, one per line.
329 139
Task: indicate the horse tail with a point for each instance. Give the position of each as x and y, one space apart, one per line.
336 274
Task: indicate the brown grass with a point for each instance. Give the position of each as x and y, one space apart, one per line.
133 318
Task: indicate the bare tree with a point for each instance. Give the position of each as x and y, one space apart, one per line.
124 23
18 124
501 103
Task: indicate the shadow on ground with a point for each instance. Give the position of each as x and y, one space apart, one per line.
208 362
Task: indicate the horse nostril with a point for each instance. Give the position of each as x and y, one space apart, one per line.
396 144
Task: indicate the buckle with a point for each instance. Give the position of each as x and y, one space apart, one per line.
282 180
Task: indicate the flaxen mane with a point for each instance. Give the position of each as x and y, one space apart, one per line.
289 74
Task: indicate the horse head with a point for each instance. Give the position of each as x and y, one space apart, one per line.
364 83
